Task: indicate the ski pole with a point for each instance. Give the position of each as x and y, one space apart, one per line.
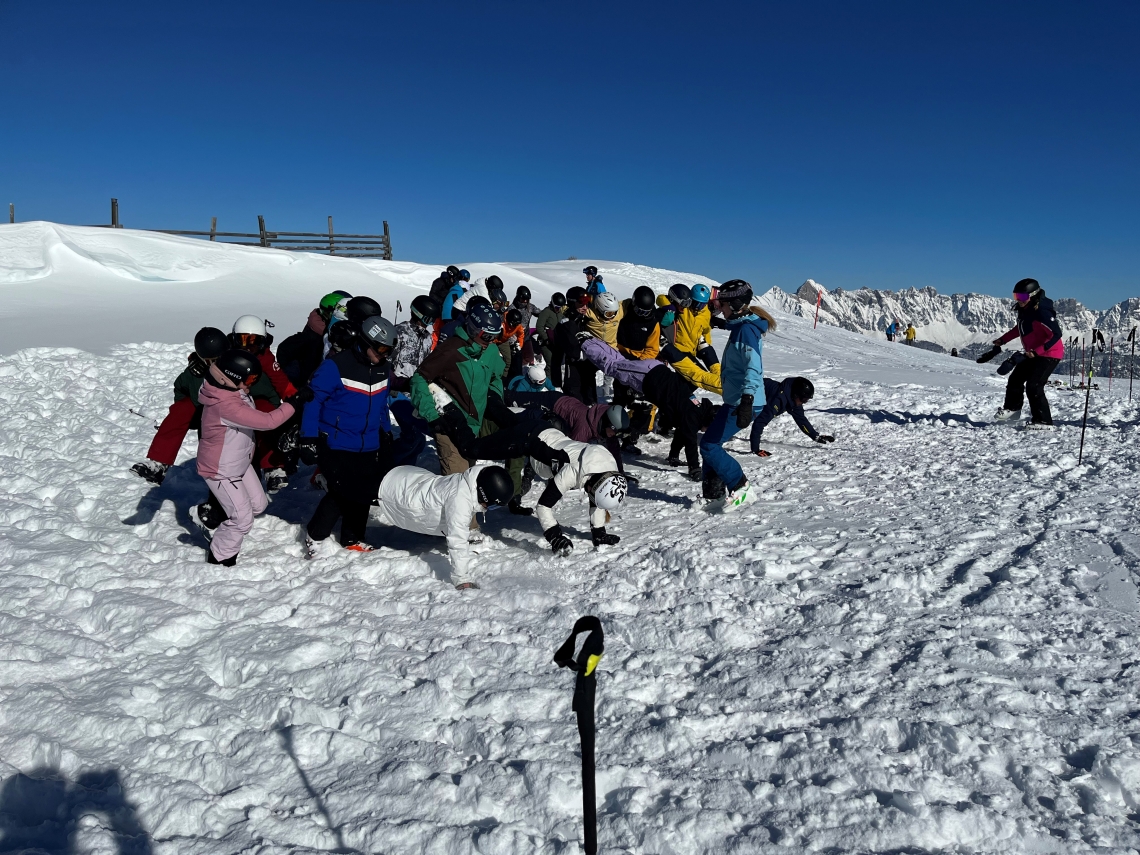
1131 362
584 687
399 309
1111 339
1084 419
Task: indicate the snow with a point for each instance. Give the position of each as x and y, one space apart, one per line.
920 638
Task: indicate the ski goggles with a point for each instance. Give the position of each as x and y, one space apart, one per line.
609 316
1022 299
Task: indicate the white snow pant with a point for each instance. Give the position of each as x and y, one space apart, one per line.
242 498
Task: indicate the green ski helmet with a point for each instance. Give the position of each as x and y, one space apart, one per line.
329 302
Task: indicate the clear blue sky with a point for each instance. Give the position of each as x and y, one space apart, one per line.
959 145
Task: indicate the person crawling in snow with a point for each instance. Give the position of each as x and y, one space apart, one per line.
788 396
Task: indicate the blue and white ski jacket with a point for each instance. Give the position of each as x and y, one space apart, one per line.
742 365
350 403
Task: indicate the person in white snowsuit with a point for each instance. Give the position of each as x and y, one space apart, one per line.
591 468
414 499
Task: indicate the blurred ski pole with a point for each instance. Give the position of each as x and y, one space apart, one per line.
399 309
1097 336
584 687
1131 362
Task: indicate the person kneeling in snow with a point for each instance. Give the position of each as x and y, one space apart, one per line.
414 499
786 397
591 468
225 453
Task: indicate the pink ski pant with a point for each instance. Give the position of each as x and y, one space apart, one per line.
242 498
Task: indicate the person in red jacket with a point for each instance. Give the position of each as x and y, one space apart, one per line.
1044 347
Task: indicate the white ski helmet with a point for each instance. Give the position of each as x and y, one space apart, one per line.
536 373
605 303
610 491
249 325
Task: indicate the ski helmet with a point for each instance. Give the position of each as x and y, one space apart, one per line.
341 335
378 333
498 298
493 486
522 294
680 295
802 389
701 295
452 272
644 301
1027 286
577 297
558 300
608 490
557 422
514 319
239 366
734 294
249 325
536 373
425 309
210 343
329 302
478 300
483 323
606 304
493 282
464 275
359 308
617 418
590 271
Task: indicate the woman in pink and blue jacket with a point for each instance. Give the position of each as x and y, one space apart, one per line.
1042 341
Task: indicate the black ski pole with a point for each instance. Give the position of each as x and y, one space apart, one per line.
1085 418
584 686
1131 362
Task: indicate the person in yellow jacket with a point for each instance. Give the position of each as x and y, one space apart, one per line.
693 324
911 334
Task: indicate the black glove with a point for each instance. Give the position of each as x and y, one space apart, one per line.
307 449
603 539
989 354
744 412
559 542
288 439
823 438
515 346
707 355
300 398
515 506
582 335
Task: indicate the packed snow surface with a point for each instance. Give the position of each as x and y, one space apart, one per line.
918 639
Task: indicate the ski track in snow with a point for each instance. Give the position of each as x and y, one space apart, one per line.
919 639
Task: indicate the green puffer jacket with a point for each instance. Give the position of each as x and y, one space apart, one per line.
548 319
467 372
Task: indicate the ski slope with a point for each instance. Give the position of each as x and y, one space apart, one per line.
919 639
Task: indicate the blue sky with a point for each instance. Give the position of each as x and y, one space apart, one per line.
959 145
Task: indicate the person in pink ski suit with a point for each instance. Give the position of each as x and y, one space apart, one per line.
225 451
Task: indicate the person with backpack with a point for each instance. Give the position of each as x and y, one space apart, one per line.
787 396
301 353
443 283
1042 342
225 453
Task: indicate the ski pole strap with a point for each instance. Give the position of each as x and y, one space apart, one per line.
592 648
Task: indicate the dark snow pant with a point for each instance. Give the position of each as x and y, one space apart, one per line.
581 381
168 439
413 433
1027 380
354 482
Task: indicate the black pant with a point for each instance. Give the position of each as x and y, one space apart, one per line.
581 381
1027 380
354 482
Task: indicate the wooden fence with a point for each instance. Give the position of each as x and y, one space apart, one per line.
331 243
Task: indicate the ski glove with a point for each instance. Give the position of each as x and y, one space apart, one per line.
582 335
824 438
559 542
307 449
989 354
603 539
744 412
302 397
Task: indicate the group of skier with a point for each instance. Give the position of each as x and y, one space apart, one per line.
359 397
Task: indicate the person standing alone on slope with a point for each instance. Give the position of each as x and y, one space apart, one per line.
1044 346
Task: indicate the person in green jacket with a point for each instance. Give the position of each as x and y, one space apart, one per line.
544 326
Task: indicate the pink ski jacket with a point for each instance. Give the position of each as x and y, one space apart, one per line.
229 419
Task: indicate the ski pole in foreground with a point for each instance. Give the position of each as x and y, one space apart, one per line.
584 686
1085 418
1131 362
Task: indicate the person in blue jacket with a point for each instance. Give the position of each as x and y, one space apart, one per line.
742 380
532 380
346 429
788 396
594 285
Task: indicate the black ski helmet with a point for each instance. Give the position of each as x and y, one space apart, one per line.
514 318
590 271
498 298
238 365
558 300
681 295
644 301
425 309
576 297
379 333
359 308
452 272
341 335
477 300
522 294
483 319
1027 286
557 422
802 389
210 343
493 486
492 282
735 294
617 418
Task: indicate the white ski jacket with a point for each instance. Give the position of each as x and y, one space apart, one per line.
417 500
585 461
477 289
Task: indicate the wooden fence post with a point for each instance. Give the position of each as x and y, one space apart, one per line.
261 228
332 248
387 243
115 214
213 227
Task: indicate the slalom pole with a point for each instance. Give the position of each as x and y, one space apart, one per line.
584 687
818 300
1085 418
1131 362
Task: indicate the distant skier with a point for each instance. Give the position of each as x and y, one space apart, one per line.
911 334
417 500
892 331
225 454
594 284
788 396
1044 347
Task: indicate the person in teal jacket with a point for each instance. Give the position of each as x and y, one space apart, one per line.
742 380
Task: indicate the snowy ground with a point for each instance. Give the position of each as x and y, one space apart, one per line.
920 639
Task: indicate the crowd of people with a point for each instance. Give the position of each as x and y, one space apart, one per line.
508 395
